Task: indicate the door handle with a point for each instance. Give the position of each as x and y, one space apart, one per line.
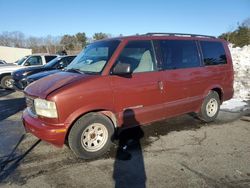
160 85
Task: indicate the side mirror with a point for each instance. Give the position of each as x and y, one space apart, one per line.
27 63
122 69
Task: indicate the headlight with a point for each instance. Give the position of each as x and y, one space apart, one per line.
45 108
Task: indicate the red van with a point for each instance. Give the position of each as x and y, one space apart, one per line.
126 81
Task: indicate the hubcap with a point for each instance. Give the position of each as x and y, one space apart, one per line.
94 137
212 107
9 83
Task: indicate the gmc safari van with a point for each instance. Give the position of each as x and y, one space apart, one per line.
126 81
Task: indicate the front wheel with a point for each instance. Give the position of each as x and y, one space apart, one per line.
90 136
7 82
210 107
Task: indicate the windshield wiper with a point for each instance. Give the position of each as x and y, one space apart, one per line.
74 70
90 72
80 71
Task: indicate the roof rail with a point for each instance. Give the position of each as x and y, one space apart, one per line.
179 35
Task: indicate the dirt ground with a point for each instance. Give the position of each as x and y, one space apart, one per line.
179 152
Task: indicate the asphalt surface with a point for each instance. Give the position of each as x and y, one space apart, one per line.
179 152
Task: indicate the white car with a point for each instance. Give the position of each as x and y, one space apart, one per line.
6 80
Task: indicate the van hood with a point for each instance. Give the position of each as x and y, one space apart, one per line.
43 87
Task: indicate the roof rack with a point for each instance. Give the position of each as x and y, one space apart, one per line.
179 35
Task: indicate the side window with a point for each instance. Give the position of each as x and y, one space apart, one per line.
139 54
69 59
178 54
34 60
64 62
49 58
213 53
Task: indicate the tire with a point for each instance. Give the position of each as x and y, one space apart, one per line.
7 82
90 136
210 107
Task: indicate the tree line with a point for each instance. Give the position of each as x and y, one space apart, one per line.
239 36
72 44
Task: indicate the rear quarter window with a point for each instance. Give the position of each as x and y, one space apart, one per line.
213 53
49 58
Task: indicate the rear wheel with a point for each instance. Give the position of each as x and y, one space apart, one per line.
210 107
7 82
90 136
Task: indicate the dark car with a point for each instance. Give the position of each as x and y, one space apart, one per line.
20 76
40 75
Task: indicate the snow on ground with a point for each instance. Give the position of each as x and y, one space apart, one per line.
241 63
234 105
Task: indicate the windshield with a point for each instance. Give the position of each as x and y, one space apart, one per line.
20 61
94 57
52 62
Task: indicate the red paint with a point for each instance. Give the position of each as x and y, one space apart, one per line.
47 132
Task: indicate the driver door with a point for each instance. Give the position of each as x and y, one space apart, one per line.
138 97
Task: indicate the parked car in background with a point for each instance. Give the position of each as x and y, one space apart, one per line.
6 80
125 82
35 59
20 76
37 76
2 62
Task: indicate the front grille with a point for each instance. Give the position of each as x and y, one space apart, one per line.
30 105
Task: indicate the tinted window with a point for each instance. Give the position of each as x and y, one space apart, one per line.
62 62
179 54
20 61
69 59
53 62
213 53
139 54
49 58
35 60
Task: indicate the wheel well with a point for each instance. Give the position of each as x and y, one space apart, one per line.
3 75
107 113
219 91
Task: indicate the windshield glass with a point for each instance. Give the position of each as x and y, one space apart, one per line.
94 57
20 61
52 62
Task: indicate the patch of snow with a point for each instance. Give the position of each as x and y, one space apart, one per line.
234 105
241 64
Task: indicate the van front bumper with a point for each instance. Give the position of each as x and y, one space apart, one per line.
54 134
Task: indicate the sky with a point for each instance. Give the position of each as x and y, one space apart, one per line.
40 18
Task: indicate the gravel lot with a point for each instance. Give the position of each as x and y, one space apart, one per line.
179 152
